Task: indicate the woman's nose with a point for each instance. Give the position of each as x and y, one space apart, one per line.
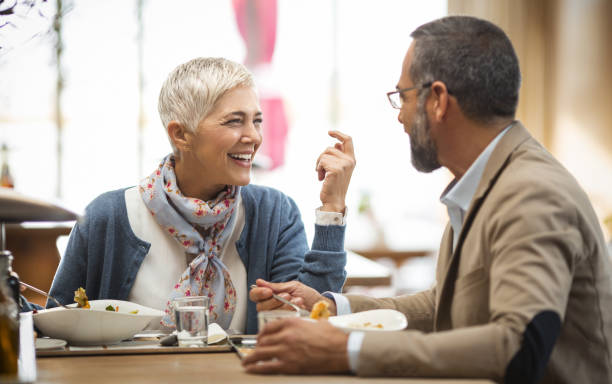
252 134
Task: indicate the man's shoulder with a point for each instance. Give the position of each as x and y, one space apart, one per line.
531 165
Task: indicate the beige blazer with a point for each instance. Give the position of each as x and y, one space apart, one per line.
530 242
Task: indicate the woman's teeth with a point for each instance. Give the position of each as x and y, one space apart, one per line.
237 156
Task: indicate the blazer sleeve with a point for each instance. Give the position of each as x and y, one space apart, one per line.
532 245
321 267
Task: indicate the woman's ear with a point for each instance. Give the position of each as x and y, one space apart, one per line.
179 135
441 100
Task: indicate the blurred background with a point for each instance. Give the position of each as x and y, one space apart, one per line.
80 79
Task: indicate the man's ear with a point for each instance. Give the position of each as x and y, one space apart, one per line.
179 135
441 100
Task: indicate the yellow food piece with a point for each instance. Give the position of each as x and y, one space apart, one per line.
81 298
320 310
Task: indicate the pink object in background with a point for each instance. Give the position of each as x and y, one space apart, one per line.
256 21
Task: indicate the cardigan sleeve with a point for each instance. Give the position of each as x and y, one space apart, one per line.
71 272
322 266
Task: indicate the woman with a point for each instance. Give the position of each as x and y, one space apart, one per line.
195 226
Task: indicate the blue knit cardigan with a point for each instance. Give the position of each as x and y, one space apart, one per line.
104 255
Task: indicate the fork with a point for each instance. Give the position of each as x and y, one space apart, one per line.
299 310
44 294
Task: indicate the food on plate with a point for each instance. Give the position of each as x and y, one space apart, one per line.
320 310
81 298
116 309
366 325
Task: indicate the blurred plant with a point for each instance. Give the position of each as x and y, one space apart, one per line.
365 209
23 20
608 223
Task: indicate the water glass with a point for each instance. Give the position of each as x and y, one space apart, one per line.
192 325
265 317
188 301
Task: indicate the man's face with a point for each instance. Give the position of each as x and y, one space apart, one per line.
413 116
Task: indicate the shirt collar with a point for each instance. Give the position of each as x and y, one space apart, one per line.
459 193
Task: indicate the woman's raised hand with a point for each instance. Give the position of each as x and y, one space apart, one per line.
335 167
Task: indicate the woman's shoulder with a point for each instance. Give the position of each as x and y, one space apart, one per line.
262 197
107 204
259 192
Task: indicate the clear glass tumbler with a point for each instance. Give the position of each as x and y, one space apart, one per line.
192 325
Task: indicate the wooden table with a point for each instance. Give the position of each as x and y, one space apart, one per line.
185 368
398 256
166 368
365 272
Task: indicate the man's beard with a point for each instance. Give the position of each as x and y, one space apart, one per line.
424 154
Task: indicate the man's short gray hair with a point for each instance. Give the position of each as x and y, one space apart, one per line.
476 61
192 89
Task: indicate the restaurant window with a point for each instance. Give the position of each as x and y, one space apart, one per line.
332 63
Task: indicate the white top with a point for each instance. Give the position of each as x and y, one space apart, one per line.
167 260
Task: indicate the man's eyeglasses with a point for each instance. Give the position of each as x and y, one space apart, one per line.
395 97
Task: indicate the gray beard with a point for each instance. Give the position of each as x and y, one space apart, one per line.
424 154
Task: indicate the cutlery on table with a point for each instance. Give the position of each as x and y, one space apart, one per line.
44 294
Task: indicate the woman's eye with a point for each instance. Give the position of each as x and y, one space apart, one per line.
257 121
232 122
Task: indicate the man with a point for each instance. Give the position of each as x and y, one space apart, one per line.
523 284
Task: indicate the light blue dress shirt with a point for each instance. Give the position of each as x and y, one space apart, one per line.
457 197
459 193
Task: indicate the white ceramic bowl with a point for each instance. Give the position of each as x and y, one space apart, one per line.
95 326
375 320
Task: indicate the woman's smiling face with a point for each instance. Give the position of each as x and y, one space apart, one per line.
224 143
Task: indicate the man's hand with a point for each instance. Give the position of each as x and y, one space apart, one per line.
335 167
299 346
294 291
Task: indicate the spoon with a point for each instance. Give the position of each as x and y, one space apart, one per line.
44 294
299 310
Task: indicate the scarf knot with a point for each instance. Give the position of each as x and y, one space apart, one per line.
202 229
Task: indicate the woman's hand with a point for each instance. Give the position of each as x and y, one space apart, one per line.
335 167
294 291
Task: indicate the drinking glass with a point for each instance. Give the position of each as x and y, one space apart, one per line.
188 301
265 317
192 325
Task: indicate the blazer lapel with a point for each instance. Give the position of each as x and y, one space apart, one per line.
516 135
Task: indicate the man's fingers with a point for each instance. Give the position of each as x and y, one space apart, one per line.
262 353
277 287
270 366
273 327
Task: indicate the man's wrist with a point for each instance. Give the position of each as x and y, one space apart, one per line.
332 306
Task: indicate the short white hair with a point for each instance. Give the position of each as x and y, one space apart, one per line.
191 90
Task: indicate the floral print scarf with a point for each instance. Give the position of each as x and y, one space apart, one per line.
201 228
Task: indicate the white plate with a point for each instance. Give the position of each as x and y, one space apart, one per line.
95 326
374 320
43 343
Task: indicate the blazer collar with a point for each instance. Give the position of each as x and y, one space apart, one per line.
516 135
